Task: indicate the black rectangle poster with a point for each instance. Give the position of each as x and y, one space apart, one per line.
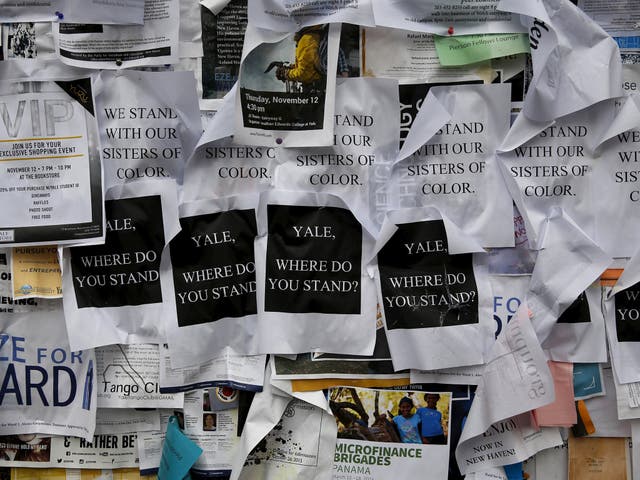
422 285
213 267
314 257
125 270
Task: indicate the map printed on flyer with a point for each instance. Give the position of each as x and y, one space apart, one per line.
49 165
129 377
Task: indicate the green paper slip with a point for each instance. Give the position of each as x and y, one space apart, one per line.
466 49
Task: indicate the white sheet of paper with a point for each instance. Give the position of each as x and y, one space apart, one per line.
209 281
65 401
621 311
311 255
114 46
516 379
285 16
551 164
566 266
575 62
356 167
438 16
102 12
428 325
100 308
506 442
242 372
456 170
149 124
298 111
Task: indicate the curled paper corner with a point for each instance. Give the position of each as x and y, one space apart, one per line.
486 73
214 6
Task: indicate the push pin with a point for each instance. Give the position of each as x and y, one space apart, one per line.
118 62
60 15
278 140
450 31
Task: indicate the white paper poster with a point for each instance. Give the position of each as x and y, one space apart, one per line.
287 87
47 388
129 377
227 369
285 16
391 433
311 254
365 143
552 164
575 62
149 124
210 282
435 293
516 379
456 170
113 292
446 17
117 46
48 160
507 442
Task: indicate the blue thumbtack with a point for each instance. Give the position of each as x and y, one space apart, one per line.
60 15
278 140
